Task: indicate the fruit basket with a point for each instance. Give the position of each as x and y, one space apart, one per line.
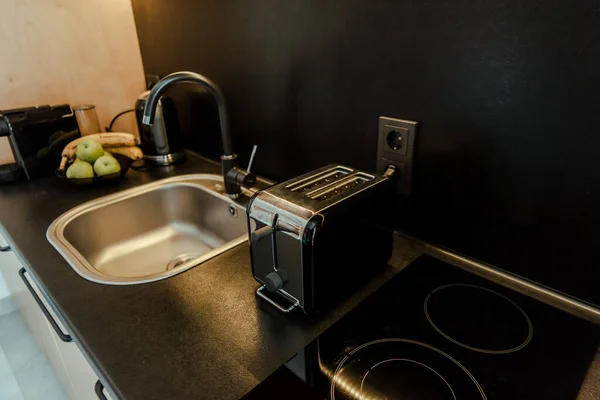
98 158
124 162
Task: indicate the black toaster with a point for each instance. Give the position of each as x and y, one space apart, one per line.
316 237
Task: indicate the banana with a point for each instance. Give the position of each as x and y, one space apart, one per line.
107 140
63 163
134 152
111 139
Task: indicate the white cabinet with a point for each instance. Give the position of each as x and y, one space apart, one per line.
82 377
4 292
69 364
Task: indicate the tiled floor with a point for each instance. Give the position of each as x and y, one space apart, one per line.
25 373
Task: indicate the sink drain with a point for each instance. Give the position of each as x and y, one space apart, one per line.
181 259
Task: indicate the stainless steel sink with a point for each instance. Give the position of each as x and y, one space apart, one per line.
150 232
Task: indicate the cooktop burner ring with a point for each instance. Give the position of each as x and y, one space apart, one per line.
362 382
335 379
473 348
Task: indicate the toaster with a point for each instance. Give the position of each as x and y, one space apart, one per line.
316 237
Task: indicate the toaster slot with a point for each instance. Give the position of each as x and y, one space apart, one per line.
320 180
340 187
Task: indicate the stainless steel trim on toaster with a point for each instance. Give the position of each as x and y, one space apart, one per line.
318 179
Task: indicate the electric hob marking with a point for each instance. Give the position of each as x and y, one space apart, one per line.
411 361
336 379
507 351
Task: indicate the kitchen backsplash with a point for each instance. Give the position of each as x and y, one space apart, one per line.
506 94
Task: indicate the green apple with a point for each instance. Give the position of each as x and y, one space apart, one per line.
89 150
80 170
106 165
106 153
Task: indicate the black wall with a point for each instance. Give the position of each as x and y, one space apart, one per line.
507 94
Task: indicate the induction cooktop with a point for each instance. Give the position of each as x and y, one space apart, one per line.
438 332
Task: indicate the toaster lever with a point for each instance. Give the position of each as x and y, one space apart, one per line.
262 233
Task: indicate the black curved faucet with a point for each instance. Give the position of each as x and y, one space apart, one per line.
234 177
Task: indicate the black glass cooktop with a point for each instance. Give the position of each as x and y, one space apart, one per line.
437 332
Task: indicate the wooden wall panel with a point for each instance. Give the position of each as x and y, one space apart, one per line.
70 51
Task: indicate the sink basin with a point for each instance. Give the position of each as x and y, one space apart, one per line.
150 232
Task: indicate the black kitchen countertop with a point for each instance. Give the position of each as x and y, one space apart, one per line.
200 334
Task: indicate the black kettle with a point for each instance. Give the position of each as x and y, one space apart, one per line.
162 143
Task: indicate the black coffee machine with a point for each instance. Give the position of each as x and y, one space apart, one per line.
37 136
162 143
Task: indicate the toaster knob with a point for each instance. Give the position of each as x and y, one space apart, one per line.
275 280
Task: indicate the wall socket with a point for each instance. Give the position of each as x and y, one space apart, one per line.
151 80
396 144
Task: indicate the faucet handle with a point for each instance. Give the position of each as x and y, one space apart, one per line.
251 158
235 177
